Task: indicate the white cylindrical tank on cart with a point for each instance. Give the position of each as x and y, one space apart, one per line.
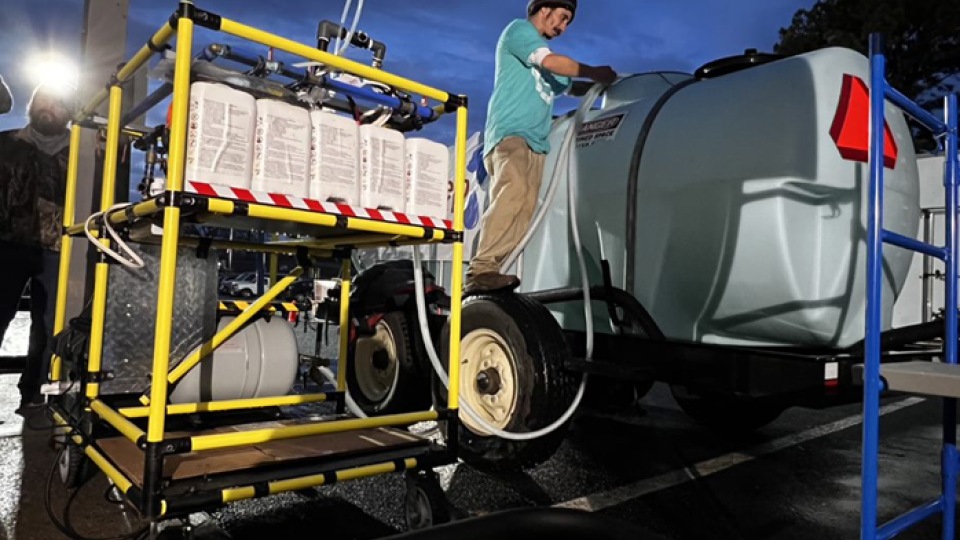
726 205
220 135
259 361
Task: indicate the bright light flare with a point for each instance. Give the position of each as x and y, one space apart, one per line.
53 70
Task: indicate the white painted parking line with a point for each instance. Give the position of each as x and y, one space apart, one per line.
620 495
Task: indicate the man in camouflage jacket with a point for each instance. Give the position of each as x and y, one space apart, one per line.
33 172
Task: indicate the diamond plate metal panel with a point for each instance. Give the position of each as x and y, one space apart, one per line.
132 310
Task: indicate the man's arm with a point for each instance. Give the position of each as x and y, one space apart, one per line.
565 66
6 99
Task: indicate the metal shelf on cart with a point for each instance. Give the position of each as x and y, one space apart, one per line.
324 230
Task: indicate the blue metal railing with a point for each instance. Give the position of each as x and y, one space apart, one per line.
880 92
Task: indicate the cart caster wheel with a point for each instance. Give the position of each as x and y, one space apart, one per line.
426 504
73 466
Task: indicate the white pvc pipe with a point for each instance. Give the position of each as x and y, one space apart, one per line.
351 404
343 21
353 27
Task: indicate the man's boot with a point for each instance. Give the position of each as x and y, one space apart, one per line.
490 282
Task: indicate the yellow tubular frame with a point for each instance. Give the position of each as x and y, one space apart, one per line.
171 232
159 39
456 293
378 233
307 482
139 210
228 405
336 62
344 325
249 438
213 344
102 271
112 473
223 335
118 421
66 244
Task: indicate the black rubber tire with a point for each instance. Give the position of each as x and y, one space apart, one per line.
726 414
412 392
425 503
545 388
246 293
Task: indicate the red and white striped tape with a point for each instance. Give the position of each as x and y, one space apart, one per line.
287 201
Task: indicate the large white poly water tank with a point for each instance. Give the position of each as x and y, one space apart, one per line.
335 159
259 361
282 149
731 207
428 169
382 169
220 135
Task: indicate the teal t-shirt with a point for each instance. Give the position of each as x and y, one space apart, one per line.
523 93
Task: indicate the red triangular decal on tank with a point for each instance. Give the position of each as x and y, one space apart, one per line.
851 131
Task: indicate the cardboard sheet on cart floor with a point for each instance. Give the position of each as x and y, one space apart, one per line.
129 458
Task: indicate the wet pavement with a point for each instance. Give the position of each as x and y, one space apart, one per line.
796 479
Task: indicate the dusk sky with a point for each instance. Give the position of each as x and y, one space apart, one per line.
449 44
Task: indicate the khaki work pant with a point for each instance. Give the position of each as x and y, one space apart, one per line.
516 172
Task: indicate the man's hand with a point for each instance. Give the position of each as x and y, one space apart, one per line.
568 67
601 74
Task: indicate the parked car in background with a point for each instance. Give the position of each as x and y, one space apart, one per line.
227 281
246 287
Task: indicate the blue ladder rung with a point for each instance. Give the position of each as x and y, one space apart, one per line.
926 119
909 519
905 242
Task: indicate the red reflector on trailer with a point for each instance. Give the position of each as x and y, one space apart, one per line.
851 125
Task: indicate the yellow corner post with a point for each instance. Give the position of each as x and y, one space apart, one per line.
171 231
344 326
102 271
66 243
456 292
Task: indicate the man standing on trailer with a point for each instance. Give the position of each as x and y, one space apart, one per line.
528 77
33 174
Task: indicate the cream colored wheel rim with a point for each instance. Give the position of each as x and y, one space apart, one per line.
488 380
377 383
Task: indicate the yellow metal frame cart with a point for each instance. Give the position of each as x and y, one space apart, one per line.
141 430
